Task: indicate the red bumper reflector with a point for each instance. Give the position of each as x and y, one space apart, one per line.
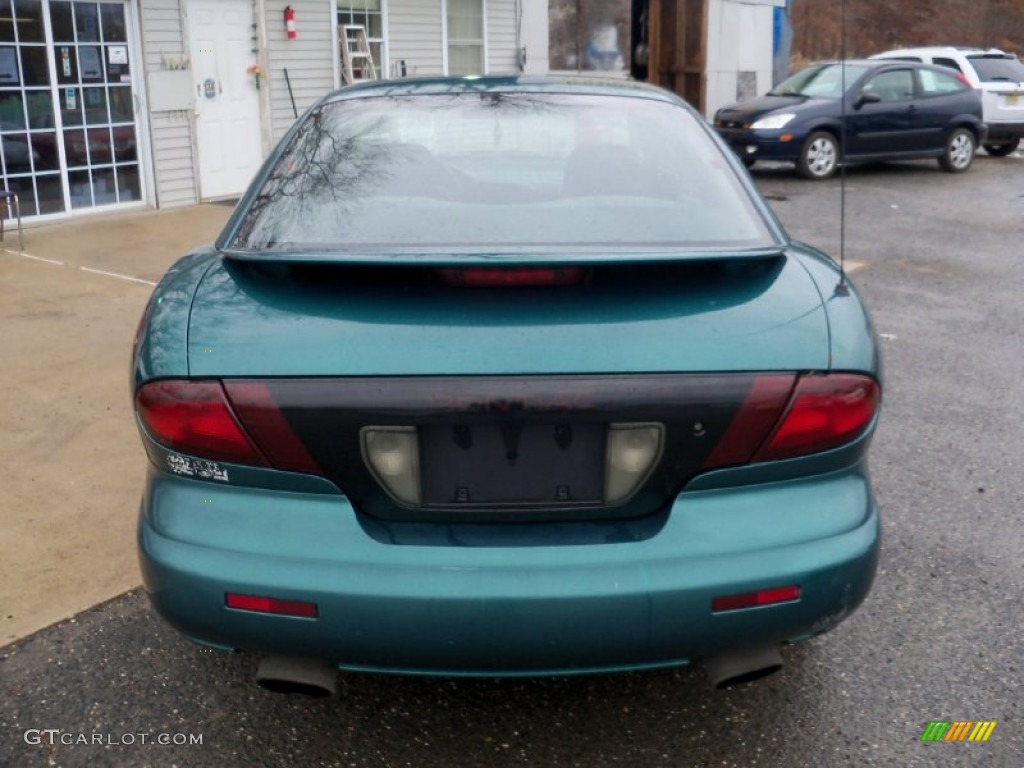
271 605
772 596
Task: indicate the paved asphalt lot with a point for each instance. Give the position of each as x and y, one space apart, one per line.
942 266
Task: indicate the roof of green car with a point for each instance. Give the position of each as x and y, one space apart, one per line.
416 86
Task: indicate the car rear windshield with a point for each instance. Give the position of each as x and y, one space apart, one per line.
483 172
998 68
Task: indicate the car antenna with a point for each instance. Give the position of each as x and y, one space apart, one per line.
842 288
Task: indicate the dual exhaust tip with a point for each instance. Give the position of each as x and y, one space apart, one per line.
316 678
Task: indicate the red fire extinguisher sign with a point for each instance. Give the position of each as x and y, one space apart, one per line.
289 22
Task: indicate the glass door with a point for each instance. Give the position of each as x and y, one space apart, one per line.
68 136
96 102
28 136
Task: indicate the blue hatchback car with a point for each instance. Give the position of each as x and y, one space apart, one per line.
505 376
892 110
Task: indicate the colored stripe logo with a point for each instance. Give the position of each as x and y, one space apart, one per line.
958 730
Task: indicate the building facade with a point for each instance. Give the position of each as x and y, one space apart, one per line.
161 103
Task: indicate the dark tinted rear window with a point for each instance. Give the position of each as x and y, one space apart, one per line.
995 69
493 172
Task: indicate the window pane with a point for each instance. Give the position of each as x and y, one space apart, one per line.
71 105
103 189
75 149
124 143
17 153
347 7
113 23
12 111
67 64
26 196
60 20
40 109
51 193
6 22
44 150
95 103
9 73
892 86
465 59
465 20
121 106
87 22
81 189
99 147
90 63
34 67
128 184
30 20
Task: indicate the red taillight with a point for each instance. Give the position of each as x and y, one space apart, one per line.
825 412
755 420
772 596
516 277
263 419
962 78
194 417
780 421
259 604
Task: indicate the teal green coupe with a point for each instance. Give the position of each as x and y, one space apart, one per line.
505 376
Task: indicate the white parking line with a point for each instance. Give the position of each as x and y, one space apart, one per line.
34 258
103 272
118 276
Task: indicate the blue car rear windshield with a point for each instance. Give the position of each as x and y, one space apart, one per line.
497 172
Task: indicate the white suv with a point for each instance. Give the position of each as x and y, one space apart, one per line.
997 74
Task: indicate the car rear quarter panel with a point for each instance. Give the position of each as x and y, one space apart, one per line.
162 346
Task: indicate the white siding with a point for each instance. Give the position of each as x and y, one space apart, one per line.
414 34
174 164
501 37
309 58
739 41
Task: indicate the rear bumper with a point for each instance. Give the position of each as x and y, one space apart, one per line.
998 132
507 610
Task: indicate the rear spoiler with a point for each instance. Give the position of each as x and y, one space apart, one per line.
454 258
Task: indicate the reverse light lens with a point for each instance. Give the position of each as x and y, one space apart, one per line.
772 596
633 451
194 417
825 412
773 122
299 608
392 455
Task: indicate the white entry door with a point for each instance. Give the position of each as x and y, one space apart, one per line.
227 98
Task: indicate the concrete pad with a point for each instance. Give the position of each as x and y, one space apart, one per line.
72 461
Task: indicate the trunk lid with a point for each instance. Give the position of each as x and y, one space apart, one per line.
301 320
